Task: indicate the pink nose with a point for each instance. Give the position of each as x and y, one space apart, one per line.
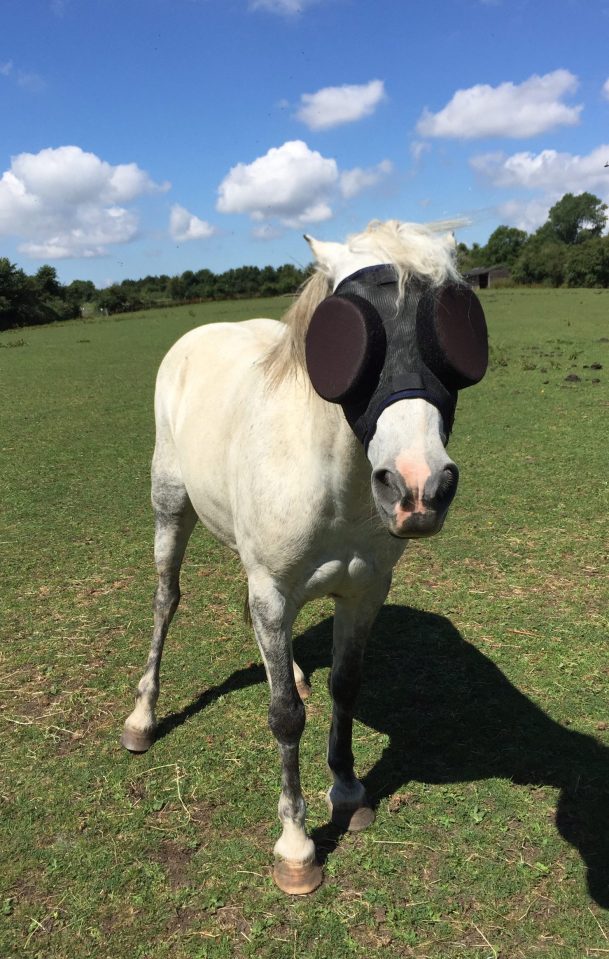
414 498
415 472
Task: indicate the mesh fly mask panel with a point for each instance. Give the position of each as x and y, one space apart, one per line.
365 353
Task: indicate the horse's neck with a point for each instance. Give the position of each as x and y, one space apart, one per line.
343 457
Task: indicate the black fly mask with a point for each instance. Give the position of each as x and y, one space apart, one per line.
365 351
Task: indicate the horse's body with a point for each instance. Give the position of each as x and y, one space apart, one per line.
273 471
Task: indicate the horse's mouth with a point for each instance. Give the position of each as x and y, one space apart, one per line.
416 525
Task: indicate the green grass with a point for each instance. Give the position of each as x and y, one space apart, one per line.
482 731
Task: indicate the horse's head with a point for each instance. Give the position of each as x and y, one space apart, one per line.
393 344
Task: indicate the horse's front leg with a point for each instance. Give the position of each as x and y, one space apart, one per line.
296 870
353 620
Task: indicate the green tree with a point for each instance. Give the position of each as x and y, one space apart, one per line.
469 259
80 292
177 288
51 296
541 260
47 283
504 246
587 263
114 299
577 218
289 278
17 300
268 281
205 284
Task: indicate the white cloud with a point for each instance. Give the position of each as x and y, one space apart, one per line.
333 106
549 171
293 185
549 174
28 81
606 89
418 148
290 182
315 213
288 8
184 226
266 232
508 110
354 181
527 215
65 202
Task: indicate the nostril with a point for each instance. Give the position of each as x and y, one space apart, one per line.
450 478
389 487
383 478
446 487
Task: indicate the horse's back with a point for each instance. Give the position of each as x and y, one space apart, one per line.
248 339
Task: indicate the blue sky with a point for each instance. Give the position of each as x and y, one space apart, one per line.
154 136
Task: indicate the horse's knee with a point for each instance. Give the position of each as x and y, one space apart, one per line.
344 684
287 719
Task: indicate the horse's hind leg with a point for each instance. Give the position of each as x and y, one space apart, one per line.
175 519
353 619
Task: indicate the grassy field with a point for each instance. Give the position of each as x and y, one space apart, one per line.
482 732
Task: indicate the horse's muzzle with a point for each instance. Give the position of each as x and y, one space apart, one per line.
409 513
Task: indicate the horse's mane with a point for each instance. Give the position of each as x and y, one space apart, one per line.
413 249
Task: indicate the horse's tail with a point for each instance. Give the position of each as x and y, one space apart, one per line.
247 613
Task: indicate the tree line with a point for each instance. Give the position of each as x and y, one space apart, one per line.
41 298
569 249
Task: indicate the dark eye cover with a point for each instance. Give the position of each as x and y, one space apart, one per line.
344 347
452 335
346 342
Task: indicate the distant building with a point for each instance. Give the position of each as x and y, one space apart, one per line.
482 276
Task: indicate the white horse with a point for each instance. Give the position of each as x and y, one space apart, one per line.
245 444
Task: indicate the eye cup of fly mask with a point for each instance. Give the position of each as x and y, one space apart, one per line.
345 348
452 335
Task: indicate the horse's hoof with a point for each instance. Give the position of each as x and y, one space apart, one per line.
136 742
297 879
353 820
303 689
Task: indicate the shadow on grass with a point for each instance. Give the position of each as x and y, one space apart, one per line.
242 678
452 716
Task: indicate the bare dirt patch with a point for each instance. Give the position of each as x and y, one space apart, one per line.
175 860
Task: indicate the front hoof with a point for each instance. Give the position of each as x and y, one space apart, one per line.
297 879
356 820
135 741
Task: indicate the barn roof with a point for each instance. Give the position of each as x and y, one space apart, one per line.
479 270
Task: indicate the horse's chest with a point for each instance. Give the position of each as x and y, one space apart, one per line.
342 576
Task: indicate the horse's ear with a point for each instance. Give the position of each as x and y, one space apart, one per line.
326 254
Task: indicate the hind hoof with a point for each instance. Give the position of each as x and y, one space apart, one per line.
297 879
303 689
353 820
136 742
